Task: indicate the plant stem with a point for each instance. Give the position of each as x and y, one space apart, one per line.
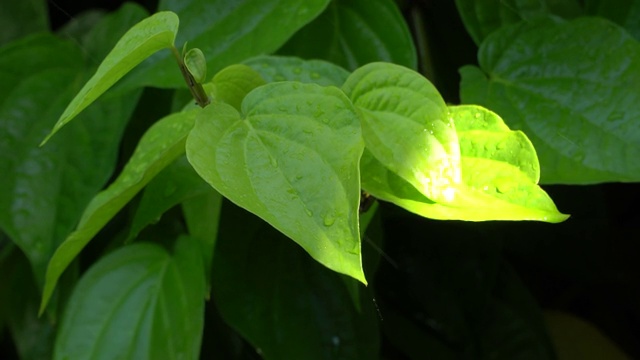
196 89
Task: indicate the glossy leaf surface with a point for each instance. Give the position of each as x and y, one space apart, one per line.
155 33
233 83
406 127
352 33
160 146
138 302
45 189
286 68
499 176
575 97
227 33
291 158
288 307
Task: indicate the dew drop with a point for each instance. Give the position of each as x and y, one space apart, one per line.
309 212
329 219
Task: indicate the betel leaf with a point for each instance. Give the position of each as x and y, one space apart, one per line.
138 302
288 307
575 96
291 158
233 83
483 17
281 68
227 33
173 185
352 33
159 146
499 175
152 34
406 126
46 189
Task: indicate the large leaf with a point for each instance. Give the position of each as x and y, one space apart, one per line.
288 306
406 126
499 175
575 96
281 68
227 33
45 189
291 158
13 15
138 302
155 33
352 33
160 146
482 17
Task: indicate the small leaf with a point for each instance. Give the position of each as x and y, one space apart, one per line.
352 33
499 174
137 302
234 82
281 68
575 97
196 64
141 41
160 145
292 159
406 126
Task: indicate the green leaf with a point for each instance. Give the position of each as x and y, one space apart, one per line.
406 126
483 17
352 33
138 302
155 33
13 16
46 189
196 63
160 146
288 306
575 97
292 159
234 82
499 175
227 33
173 185
281 68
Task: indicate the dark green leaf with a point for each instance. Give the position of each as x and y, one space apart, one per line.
155 33
575 96
626 13
406 126
287 306
292 159
45 189
160 146
138 302
227 33
22 18
281 68
352 33
173 185
482 17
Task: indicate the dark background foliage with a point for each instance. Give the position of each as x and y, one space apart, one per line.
450 289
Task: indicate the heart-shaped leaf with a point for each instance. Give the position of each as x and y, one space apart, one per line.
576 97
291 158
499 175
406 126
281 68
